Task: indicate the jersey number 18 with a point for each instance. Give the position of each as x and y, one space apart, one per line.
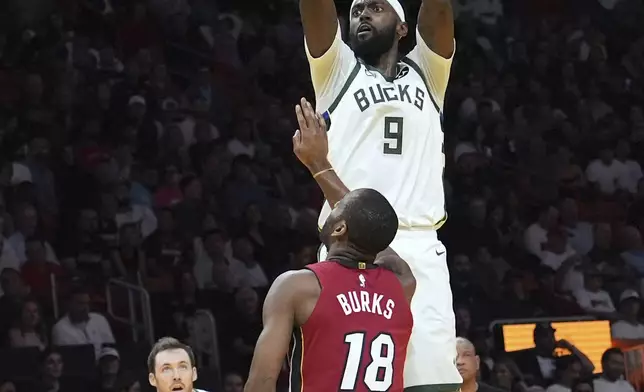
379 374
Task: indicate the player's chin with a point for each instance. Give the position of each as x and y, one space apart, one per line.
364 36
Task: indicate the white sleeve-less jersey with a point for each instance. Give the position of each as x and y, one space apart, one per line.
386 134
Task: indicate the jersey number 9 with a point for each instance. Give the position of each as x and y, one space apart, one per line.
393 136
379 374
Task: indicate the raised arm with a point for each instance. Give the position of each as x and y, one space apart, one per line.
310 145
320 23
436 26
273 343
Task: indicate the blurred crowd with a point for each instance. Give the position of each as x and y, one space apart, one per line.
149 141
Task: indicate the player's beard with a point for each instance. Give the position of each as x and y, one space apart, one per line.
372 49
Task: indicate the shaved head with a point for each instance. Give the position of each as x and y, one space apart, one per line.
465 343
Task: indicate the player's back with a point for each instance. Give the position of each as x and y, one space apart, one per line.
356 337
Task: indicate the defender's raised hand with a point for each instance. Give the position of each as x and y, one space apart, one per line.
310 143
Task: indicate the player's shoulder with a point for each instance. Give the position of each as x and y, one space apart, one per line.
295 282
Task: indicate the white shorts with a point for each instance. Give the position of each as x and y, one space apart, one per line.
431 356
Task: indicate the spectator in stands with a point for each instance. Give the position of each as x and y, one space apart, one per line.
85 249
536 235
15 292
604 172
80 326
580 233
8 257
128 213
191 210
212 267
164 251
507 376
552 300
303 254
109 362
244 332
43 178
233 382
128 260
567 373
592 298
169 192
612 377
7 386
633 254
631 171
583 385
26 227
628 327
539 362
29 330
560 257
37 271
252 272
51 372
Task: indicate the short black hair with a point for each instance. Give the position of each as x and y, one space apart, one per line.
165 344
613 350
371 221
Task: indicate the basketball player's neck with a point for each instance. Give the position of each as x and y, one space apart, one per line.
348 254
385 63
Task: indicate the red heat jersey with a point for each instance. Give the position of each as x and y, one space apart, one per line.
356 338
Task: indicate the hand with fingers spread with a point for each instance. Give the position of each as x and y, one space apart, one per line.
310 143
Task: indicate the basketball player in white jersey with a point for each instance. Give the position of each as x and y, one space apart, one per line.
384 127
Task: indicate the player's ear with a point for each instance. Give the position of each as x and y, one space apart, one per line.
478 362
194 374
152 380
402 30
340 229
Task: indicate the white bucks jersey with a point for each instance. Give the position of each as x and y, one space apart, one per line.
387 135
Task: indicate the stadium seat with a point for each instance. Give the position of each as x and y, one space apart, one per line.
19 363
79 360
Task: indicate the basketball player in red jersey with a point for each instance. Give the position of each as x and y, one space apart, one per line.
348 318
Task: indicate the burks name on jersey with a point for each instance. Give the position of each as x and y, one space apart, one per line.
365 302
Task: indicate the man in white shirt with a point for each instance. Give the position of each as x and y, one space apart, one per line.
252 272
629 327
631 169
214 267
80 326
592 298
605 171
536 234
560 257
26 225
612 377
580 234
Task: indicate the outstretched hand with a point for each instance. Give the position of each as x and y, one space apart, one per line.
310 143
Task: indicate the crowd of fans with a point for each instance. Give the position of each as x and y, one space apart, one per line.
150 141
